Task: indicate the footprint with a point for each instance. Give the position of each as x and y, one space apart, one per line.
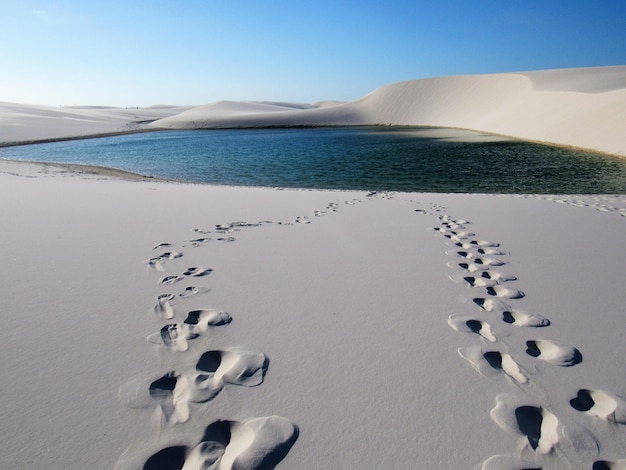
199 242
524 319
505 292
488 261
193 290
255 444
163 307
172 394
478 264
469 324
462 234
157 262
171 255
535 423
302 220
497 276
227 239
600 404
490 362
452 225
491 305
449 220
479 281
204 318
471 267
454 238
170 279
484 244
198 271
168 255
233 366
490 251
555 353
224 228
462 253
174 336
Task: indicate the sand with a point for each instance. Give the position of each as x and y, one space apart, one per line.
23 123
329 329
584 108
151 324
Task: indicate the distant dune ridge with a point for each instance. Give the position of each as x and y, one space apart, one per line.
579 107
24 123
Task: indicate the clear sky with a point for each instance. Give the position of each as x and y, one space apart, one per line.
138 52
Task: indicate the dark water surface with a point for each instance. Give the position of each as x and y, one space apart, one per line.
365 158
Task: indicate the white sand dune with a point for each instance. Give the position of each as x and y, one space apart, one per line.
29 123
323 329
583 108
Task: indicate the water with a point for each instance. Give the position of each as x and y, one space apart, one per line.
370 158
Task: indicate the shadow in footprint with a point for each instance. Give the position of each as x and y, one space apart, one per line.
198 271
468 324
474 325
219 432
162 389
170 458
210 361
583 401
529 419
609 465
494 359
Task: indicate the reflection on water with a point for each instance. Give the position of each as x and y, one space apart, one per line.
368 158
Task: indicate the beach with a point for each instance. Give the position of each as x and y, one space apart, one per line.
155 324
359 305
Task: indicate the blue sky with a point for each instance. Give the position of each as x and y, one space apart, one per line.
138 53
